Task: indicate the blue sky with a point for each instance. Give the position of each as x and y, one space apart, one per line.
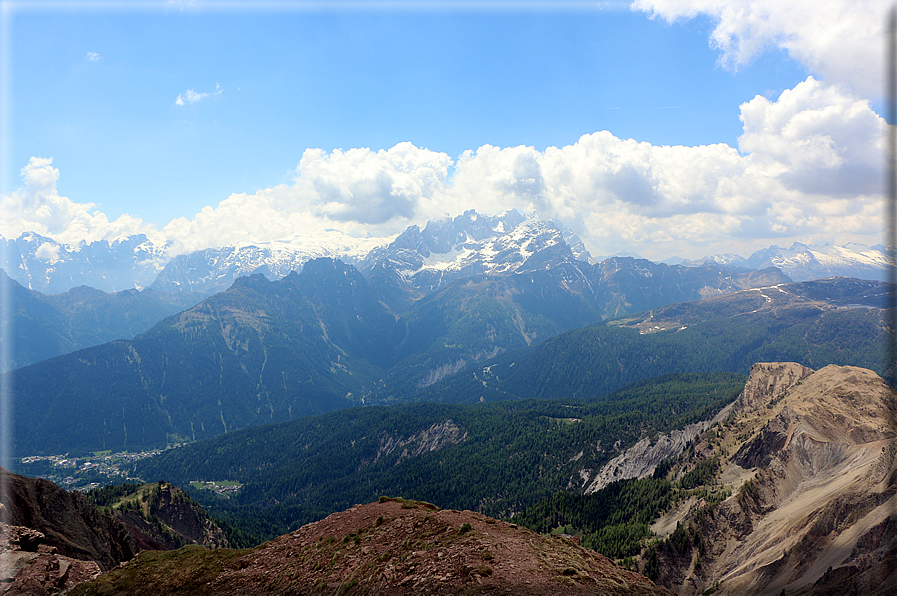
191 121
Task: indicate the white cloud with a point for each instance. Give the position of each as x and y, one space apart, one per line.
38 207
47 252
841 40
824 139
806 169
357 191
92 57
372 188
190 96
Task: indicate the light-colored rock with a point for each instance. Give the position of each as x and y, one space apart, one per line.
817 514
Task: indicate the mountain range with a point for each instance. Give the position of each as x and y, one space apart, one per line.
41 326
801 262
443 250
51 267
499 363
316 341
401 325
324 339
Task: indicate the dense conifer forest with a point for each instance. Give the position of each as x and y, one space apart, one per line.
495 458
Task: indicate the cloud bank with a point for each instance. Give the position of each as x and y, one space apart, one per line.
37 207
807 168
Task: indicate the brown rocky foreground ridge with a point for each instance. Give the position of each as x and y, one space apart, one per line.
394 548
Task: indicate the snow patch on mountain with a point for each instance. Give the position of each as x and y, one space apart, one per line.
51 267
470 244
215 269
801 262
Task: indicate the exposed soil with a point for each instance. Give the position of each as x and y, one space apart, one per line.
391 548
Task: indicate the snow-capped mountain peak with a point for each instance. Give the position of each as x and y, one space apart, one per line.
48 266
469 244
802 262
215 269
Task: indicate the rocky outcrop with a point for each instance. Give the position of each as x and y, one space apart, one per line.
814 484
67 521
394 548
162 517
767 383
32 568
429 439
640 460
57 539
54 539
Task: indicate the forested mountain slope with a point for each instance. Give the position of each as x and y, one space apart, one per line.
42 326
836 321
316 341
493 458
261 352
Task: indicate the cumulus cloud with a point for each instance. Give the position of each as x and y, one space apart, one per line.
841 40
806 169
824 139
372 187
357 191
36 206
269 214
191 97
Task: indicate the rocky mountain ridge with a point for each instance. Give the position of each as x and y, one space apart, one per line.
419 262
803 262
159 516
214 270
418 259
810 460
393 547
54 539
50 267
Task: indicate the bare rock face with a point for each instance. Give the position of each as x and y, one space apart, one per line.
67 521
393 548
57 539
640 460
438 436
29 568
814 477
167 519
769 381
